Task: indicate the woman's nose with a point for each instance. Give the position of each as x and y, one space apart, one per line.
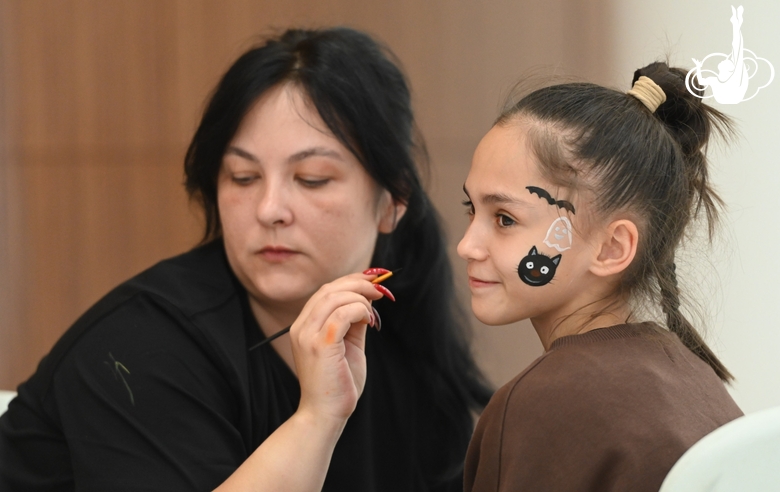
274 205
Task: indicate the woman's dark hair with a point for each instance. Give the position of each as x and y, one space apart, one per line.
651 165
364 99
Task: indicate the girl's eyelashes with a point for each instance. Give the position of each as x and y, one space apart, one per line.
505 220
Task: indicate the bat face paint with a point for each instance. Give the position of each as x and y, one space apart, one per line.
552 201
559 234
537 269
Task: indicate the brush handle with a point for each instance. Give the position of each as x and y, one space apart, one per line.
271 338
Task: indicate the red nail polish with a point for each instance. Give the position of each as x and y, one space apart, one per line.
377 319
385 291
376 271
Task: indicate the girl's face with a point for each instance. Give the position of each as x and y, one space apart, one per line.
524 259
297 207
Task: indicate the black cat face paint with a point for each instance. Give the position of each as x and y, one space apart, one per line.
537 269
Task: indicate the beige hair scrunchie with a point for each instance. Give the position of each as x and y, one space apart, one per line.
648 92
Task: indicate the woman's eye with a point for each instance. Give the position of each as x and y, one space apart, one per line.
505 221
313 183
470 209
243 179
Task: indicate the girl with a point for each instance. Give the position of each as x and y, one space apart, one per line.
578 198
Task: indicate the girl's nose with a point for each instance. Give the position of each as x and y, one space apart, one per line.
470 247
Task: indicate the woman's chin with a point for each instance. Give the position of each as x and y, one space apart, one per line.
282 291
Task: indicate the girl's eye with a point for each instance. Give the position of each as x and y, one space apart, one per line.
314 183
529 265
470 206
505 221
544 270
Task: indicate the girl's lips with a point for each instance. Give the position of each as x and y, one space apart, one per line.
477 283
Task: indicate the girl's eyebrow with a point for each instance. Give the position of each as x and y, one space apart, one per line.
498 199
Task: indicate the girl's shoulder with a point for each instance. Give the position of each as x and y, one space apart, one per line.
583 373
620 394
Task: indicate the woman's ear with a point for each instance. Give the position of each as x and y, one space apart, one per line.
617 248
390 211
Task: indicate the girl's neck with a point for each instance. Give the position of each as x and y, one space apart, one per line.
597 315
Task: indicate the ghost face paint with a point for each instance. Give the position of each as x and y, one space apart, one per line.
508 234
559 234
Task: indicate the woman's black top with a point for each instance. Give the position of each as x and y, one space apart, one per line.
154 388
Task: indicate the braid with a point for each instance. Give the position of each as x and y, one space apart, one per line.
679 324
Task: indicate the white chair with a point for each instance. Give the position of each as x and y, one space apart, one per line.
5 399
743 455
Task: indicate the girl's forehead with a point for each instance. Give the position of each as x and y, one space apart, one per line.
503 158
505 169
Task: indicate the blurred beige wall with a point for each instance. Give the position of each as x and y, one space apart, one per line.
736 281
98 99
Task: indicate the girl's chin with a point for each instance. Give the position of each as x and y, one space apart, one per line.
492 316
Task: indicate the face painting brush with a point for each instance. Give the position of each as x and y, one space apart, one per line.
279 333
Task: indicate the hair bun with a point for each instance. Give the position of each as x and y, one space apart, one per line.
682 112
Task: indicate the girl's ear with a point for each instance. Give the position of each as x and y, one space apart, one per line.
617 248
390 213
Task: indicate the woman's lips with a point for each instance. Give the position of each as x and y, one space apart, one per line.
276 254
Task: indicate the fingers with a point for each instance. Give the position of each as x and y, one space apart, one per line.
384 291
329 353
377 319
356 282
347 324
354 288
341 308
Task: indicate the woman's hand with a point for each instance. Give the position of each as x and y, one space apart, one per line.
328 342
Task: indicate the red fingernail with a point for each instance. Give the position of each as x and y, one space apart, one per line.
384 291
377 319
376 271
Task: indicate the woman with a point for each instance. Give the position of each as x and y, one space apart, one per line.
578 198
304 164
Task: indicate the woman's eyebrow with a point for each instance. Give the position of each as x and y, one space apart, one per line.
242 153
315 151
297 157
